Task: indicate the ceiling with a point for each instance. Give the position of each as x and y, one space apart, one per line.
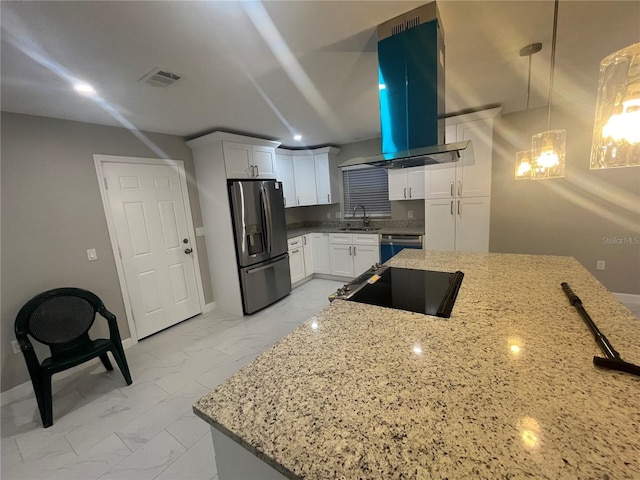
273 69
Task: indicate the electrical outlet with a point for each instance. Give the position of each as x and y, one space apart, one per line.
600 264
16 346
337 214
410 213
92 255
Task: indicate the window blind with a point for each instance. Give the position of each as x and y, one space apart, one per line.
368 186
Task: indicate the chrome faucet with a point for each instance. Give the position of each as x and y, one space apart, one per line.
365 219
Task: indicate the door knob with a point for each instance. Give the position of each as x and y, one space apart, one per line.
188 250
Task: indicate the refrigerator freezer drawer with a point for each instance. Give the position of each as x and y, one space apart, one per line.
265 283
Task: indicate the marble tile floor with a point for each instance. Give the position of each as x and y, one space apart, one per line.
104 429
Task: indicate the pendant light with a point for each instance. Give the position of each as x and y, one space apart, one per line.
616 129
549 147
523 159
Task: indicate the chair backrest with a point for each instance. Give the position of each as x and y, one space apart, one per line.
58 317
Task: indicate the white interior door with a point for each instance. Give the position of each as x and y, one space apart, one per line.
148 213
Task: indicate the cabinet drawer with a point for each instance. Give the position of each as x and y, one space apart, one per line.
295 242
341 238
365 239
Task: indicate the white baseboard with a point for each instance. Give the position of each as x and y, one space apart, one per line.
627 298
208 307
26 389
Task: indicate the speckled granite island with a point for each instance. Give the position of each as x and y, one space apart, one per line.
505 388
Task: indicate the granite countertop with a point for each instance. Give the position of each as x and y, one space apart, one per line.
384 230
505 388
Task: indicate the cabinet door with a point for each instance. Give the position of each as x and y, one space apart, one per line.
341 260
364 257
284 173
440 224
472 224
440 181
323 179
397 184
321 256
307 248
263 161
474 168
415 183
237 160
296 264
304 172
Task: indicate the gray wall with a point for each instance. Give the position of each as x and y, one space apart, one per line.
584 215
52 213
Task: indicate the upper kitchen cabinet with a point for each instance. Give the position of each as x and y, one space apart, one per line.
406 183
471 175
284 173
249 160
309 177
304 173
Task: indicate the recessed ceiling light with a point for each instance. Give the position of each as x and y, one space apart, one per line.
84 88
297 137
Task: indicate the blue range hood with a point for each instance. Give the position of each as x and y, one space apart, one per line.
411 86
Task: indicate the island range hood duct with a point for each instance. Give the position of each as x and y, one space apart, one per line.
411 86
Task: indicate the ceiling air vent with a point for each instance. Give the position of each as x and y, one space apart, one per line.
160 78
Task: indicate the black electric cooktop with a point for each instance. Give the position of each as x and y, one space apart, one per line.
422 291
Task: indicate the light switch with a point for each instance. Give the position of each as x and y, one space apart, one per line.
92 255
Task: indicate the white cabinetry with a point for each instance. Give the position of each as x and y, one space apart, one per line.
353 253
312 178
320 252
304 172
243 160
307 249
457 205
406 183
284 173
296 259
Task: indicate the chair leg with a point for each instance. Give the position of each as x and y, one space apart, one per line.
121 360
46 401
106 362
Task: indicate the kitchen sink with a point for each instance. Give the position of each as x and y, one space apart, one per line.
363 229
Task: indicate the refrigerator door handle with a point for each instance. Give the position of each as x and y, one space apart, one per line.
268 227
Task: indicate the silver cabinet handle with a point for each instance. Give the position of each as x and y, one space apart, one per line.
257 171
298 200
349 251
304 240
451 189
405 192
354 251
459 188
458 207
296 251
328 198
451 207
410 193
253 172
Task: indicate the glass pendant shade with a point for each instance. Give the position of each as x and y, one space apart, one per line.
548 152
616 130
523 165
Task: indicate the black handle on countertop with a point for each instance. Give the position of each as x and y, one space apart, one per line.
612 360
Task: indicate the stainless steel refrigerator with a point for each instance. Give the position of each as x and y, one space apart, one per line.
260 232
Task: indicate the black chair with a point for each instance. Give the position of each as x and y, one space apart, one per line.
61 319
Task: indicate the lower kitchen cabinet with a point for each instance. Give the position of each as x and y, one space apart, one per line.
296 259
352 254
320 253
307 250
460 224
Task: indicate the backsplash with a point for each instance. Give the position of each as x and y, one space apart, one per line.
418 223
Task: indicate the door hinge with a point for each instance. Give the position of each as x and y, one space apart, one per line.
106 185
